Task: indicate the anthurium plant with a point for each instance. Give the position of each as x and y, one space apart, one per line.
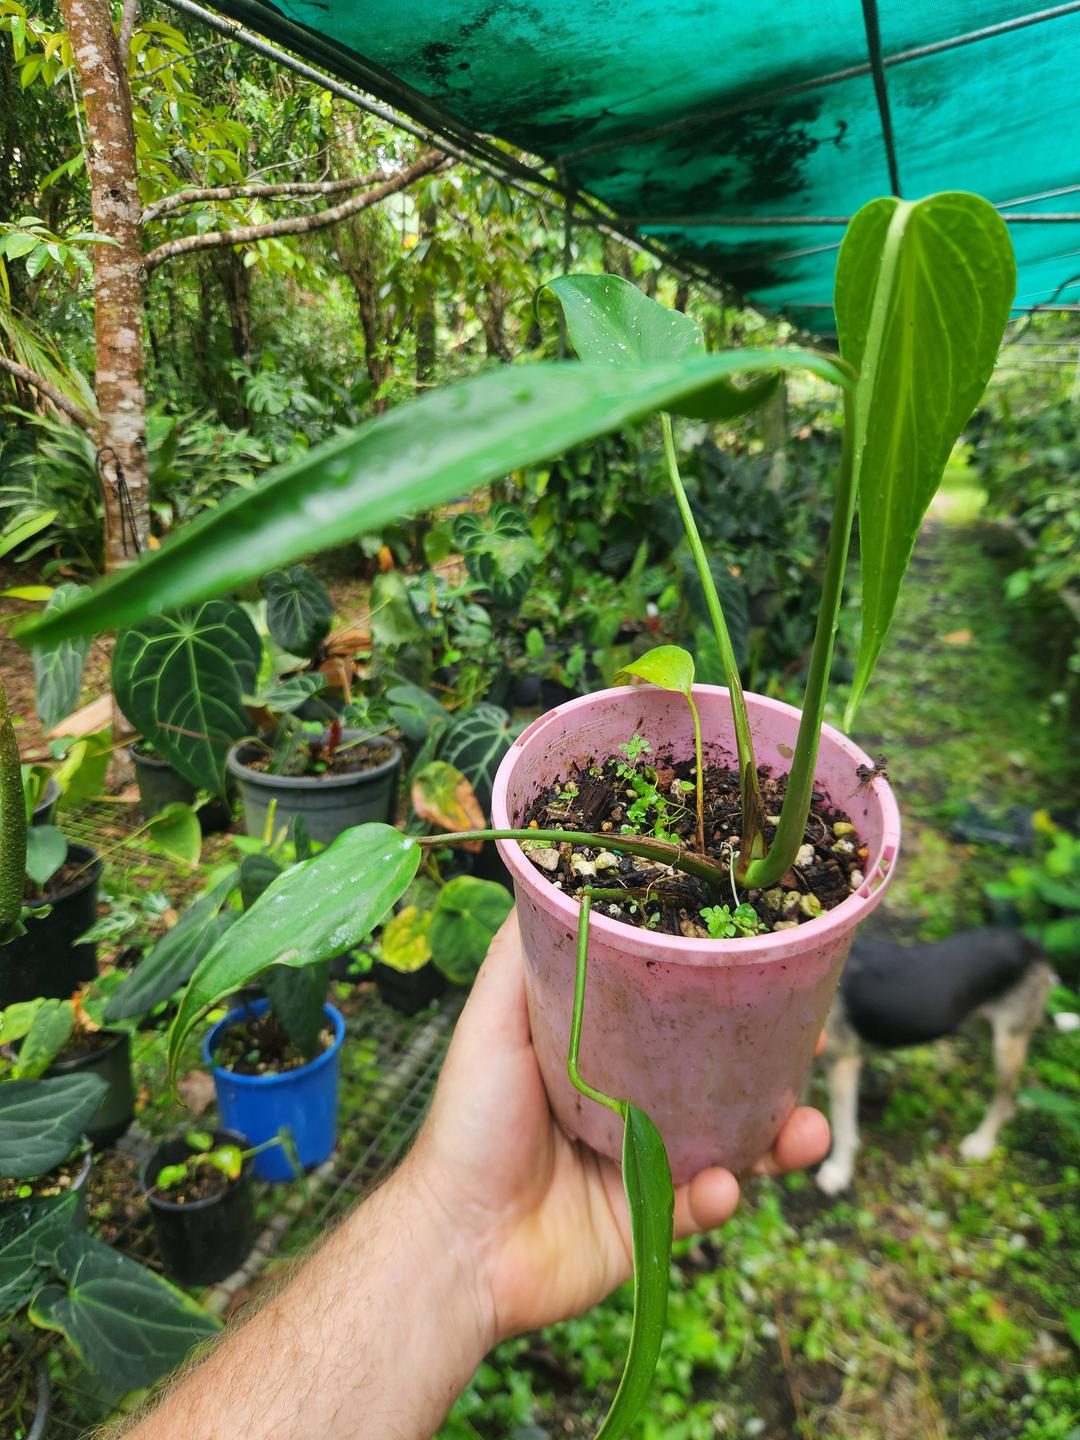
923 291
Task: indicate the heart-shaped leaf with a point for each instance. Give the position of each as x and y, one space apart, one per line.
404 942
30 1236
40 1120
181 678
312 912
443 797
46 851
175 830
667 666
298 609
58 670
468 913
923 290
475 743
500 553
415 712
394 621
127 1325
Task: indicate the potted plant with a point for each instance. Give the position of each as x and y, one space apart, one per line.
80 1045
198 1186
923 291
161 784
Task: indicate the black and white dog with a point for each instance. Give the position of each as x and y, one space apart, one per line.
896 995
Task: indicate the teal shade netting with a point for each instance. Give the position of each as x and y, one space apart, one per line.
688 116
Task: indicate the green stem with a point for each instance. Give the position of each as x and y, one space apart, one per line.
800 789
752 812
12 824
660 850
579 1011
700 787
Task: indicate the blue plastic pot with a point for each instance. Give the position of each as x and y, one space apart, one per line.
303 1100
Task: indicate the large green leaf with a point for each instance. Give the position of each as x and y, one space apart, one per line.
48 1034
58 670
174 958
181 678
463 925
30 1236
40 1120
475 744
650 1199
611 322
127 1325
298 609
500 552
923 291
312 912
411 458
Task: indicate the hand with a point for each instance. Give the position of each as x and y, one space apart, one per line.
542 1219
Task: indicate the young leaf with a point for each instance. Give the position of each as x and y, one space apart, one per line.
40 1120
404 942
175 830
923 291
413 457
463 925
298 609
667 666
443 797
611 322
46 851
58 670
312 912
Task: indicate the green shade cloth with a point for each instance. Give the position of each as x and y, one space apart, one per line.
590 84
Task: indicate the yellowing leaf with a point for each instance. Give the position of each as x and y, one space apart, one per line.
443 797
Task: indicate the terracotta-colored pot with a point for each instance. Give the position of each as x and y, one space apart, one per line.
712 1038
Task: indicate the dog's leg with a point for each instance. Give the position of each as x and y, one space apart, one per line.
1013 1017
843 1062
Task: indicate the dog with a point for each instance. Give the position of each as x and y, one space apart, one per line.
893 996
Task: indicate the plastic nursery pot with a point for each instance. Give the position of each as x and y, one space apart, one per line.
31 1395
713 1039
409 991
45 809
112 1062
46 960
302 1100
328 803
160 785
201 1241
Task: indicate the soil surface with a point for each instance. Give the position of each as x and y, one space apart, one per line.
346 760
86 1042
70 875
600 796
57 1182
18 1389
261 1047
202 1182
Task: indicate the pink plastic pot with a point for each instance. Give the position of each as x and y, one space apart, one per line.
712 1038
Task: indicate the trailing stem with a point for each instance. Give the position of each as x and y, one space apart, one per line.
664 853
619 1106
753 815
789 833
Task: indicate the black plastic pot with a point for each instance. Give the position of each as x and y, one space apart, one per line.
409 991
206 1240
46 960
160 785
113 1064
45 809
37 1385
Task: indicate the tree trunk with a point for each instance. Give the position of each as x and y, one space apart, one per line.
119 280
234 277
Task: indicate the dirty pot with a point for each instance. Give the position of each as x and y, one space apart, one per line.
712 1038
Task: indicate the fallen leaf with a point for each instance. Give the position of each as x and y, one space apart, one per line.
196 1090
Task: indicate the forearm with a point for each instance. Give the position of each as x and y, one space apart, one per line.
375 1336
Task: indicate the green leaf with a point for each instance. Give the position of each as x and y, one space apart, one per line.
298 610
289 694
394 621
16 1020
923 291
500 553
172 961
297 997
415 712
30 1236
463 925
404 941
475 743
181 678
611 322
411 458
650 1199
175 830
58 670
312 912
47 1036
667 666
257 873
81 773
25 528
46 851
127 1325
40 1120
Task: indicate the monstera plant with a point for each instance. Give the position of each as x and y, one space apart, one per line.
923 291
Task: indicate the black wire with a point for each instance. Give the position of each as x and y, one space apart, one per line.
881 90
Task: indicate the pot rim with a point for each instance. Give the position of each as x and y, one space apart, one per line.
261 778
170 1207
49 796
212 1039
91 873
154 762
681 949
92 1057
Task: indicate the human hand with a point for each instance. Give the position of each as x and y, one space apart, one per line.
540 1221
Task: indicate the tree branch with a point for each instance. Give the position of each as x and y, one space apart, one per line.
297 224
245 192
44 387
128 16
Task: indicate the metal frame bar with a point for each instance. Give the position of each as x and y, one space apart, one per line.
766 222
881 90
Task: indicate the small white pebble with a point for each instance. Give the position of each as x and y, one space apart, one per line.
786 925
843 827
546 856
810 905
581 866
773 898
844 847
856 879
790 902
805 856
773 819
606 860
